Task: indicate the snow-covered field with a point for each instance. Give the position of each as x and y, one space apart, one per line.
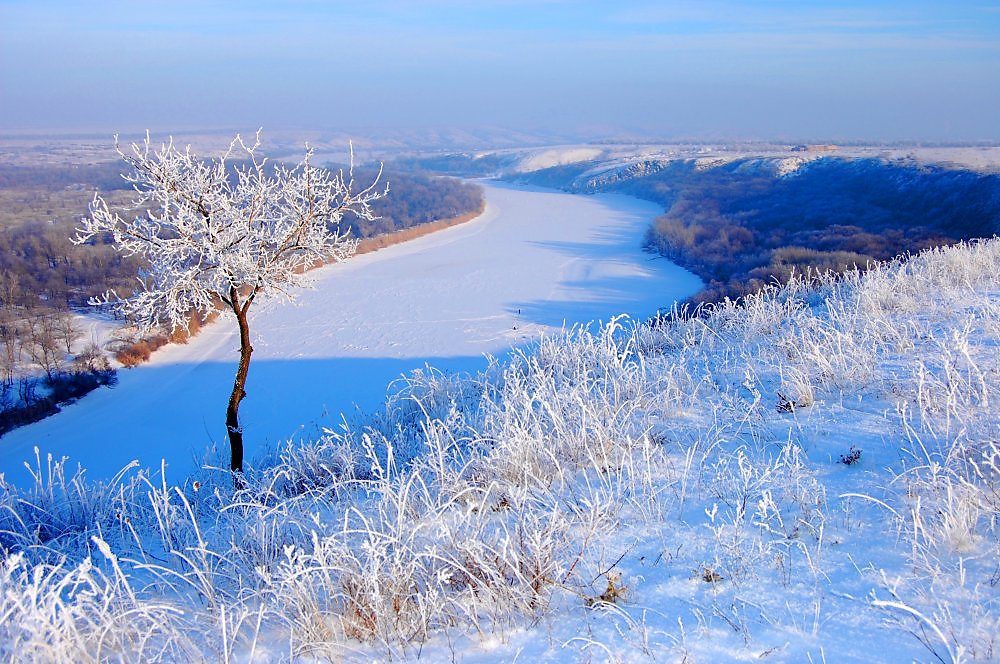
533 260
810 476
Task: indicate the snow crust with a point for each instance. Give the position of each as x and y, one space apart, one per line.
534 261
558 157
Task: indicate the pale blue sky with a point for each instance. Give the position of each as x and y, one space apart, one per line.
772 69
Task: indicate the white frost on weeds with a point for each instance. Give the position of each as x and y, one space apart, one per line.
794 477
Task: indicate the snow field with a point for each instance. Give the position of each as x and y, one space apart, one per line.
810 475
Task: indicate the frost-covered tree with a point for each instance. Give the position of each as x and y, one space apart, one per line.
224 232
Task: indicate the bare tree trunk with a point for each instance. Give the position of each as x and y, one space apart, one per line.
232 411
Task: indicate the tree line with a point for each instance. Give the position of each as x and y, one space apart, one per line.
740 232
41 364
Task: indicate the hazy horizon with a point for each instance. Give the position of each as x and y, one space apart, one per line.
858 71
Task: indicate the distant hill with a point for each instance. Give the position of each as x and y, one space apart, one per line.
741 220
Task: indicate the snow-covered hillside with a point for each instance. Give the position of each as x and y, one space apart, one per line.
811 476
590 168
534 260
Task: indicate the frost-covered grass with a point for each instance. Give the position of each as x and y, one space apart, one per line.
810 475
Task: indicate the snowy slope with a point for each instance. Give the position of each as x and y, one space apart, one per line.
532 261
812 475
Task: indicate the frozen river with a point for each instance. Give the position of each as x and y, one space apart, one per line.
533 262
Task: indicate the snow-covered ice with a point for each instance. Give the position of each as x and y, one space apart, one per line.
534 261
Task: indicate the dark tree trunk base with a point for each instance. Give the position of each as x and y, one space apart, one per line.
233 408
